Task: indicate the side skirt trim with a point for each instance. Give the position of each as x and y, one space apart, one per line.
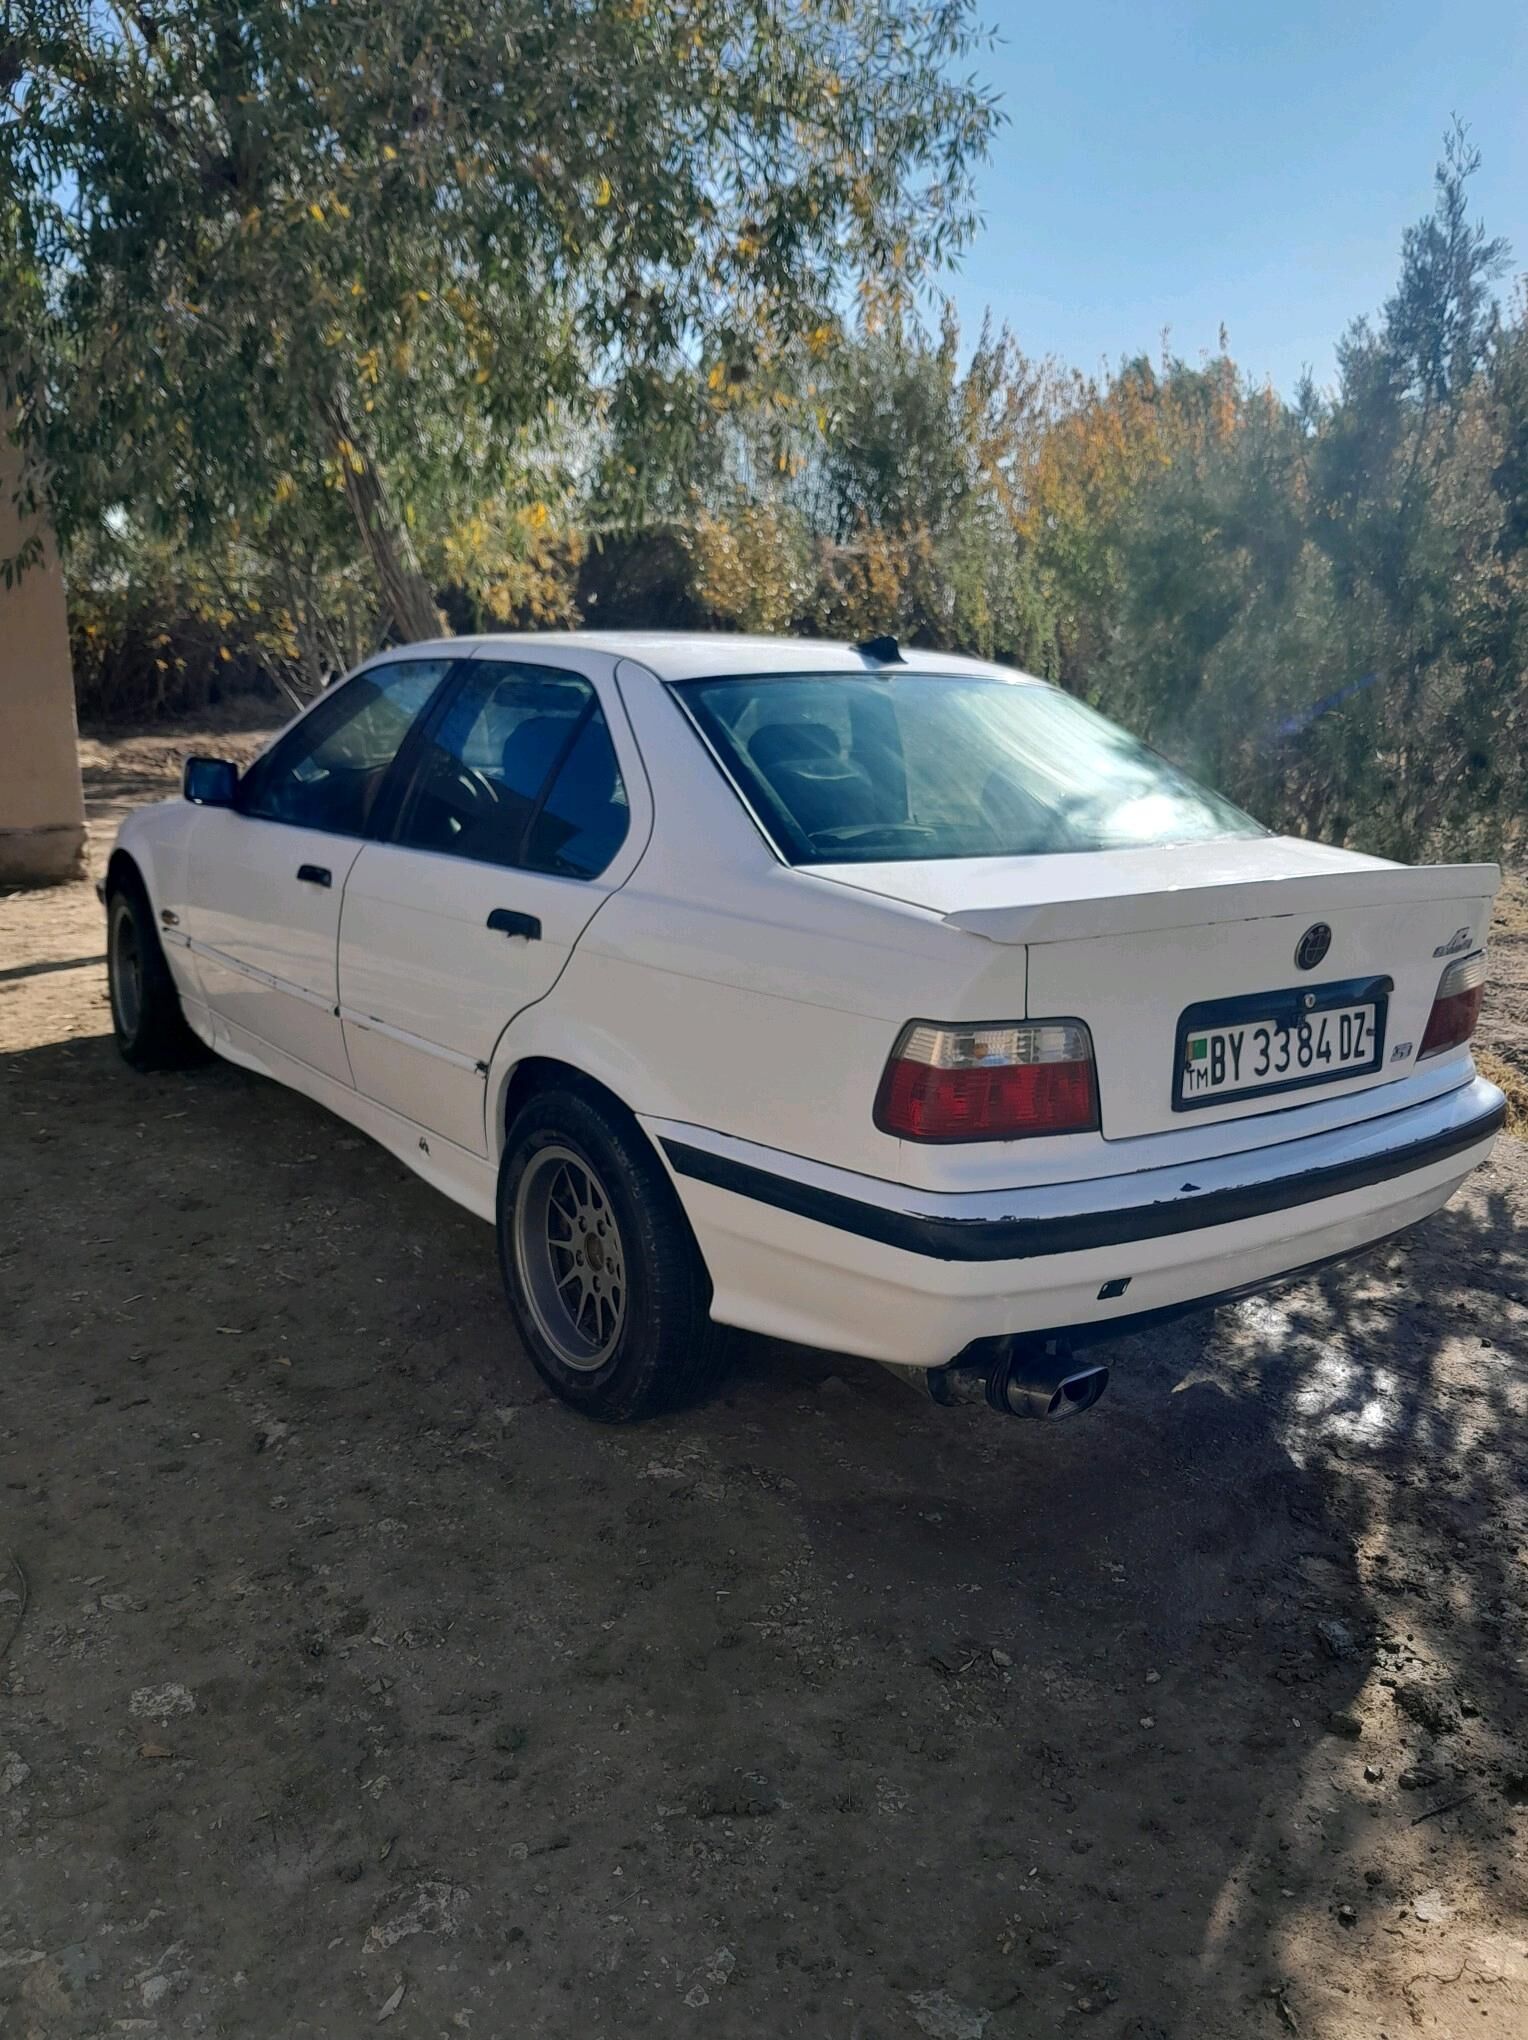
249 970
1026 1239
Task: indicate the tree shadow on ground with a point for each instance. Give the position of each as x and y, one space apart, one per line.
816 1710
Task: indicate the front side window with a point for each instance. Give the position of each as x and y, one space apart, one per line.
328 771
843 769
520 771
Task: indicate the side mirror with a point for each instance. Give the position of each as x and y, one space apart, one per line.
210 782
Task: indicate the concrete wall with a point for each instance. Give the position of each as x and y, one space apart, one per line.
42 810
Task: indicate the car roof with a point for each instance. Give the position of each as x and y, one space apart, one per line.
693 655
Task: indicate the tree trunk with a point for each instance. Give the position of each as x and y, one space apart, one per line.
406 594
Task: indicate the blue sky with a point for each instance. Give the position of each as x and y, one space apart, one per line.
1180 163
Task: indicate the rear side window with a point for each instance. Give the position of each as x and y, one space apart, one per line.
843 769
584 817
519 771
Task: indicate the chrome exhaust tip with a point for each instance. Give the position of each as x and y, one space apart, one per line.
1020 1380
1045 1385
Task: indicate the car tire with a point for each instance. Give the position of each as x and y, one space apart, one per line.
605 1282
146 1015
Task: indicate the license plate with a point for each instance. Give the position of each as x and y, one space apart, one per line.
1267 1052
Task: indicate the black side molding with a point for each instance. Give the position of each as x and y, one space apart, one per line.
1026 1239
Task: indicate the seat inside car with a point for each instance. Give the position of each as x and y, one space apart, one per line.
807 769
529 750
585 814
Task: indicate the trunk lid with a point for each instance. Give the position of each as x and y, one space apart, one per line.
1130 941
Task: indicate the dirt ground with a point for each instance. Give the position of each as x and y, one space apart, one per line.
347 1681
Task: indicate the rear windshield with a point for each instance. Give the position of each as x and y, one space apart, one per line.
845 770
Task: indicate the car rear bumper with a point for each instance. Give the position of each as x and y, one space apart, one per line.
799 1250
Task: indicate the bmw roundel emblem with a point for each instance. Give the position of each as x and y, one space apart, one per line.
1313 945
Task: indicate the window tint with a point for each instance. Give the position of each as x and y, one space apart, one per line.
842 769
482 787
327 773
584 819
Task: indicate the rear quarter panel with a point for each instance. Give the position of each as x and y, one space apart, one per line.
770 1017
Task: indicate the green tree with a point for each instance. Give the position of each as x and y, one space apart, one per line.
308 257
1319 605
1403 506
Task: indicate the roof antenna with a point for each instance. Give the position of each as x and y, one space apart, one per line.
884 650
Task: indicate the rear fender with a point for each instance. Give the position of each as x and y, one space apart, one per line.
544 1032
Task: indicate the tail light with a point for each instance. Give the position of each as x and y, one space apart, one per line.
1456 1007
1005 1081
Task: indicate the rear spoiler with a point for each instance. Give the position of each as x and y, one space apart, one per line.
1258 899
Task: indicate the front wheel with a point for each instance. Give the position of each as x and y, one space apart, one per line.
604 1280
146 1018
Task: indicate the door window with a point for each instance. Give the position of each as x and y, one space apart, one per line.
584 816
327 773
520 771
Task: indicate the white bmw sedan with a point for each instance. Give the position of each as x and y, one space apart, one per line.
895 1003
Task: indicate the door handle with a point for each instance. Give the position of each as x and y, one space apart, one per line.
314 874
503 922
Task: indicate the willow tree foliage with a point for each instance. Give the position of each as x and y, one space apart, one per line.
272 264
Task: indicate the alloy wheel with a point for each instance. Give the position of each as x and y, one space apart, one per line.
570 1257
